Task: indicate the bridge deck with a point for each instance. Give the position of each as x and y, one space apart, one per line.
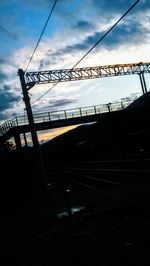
55 119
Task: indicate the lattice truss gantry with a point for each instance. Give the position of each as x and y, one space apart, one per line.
53 76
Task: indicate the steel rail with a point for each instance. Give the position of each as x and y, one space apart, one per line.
98 179
131 189
92 187
113 170
125 186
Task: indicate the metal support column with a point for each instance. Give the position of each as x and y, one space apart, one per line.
18 142
25 140
141 83
39 161
144 82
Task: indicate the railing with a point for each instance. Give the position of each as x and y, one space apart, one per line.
62 114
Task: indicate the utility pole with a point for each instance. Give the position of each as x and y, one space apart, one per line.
37 150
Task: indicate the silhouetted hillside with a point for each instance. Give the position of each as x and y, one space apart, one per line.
116 134
120 134
143 102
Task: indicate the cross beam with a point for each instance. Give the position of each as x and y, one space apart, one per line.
54 76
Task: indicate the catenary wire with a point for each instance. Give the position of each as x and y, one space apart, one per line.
45 93
49 16
114 25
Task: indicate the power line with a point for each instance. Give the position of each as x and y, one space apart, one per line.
52 9
107 33
114 25
45 93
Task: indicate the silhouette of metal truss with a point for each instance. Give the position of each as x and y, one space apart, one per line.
54 76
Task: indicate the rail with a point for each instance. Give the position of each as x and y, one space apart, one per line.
62 114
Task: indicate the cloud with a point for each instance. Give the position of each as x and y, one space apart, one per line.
34 4
83 25
80 28
10 94
82 34
53 104
37 4
125 33
47 62
109 6
7 99
1 60
8 71
2 77
6 32
61 102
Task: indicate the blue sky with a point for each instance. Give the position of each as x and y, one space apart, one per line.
74 27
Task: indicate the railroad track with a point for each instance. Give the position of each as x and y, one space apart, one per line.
125 182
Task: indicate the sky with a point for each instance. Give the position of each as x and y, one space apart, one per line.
75 25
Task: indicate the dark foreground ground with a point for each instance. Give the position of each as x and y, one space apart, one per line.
106 232
109 230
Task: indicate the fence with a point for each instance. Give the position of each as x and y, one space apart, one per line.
62 114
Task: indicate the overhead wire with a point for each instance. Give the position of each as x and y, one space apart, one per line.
114 25
49 16
45 93
111 28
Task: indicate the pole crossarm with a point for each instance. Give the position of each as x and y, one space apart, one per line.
54 76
